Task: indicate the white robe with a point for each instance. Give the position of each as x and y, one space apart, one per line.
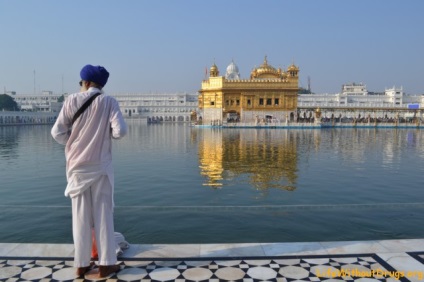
88 152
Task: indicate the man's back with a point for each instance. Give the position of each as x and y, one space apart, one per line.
89 141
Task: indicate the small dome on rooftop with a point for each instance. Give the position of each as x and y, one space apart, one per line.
232 71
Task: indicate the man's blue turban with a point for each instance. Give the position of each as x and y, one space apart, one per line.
97 74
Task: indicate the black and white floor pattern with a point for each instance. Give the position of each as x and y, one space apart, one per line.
375 260
349 267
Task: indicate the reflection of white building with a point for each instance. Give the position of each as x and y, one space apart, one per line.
158 107
46 102
15 118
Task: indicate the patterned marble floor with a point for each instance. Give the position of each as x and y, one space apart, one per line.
388 260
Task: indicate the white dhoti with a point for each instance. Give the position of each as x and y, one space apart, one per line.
93 208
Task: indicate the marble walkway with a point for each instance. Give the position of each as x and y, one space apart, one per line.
386 260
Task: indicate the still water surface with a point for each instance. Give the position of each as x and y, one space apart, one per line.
178 184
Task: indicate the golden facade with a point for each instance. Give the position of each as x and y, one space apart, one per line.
269 92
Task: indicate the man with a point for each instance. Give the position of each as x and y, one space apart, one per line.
89 170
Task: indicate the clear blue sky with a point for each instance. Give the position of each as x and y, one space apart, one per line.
165 46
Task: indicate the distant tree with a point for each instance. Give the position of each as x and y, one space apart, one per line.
61 99
7 103
304 91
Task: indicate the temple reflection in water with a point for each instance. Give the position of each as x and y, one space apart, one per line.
265 159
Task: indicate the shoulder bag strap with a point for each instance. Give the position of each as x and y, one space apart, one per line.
84 107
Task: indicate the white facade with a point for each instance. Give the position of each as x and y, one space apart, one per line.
47 102
358 97
158 107
153 107
354 89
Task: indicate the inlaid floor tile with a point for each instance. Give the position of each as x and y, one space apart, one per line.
36 273
197 274
164 274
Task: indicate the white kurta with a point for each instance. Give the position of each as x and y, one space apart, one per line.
88 152
88 142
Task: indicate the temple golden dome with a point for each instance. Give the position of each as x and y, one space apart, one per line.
265 71
213 71
293 68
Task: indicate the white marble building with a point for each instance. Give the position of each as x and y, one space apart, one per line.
46 102
356 96
176 107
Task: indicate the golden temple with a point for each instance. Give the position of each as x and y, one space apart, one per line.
268 93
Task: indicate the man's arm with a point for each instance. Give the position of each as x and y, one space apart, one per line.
61 129
118 124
